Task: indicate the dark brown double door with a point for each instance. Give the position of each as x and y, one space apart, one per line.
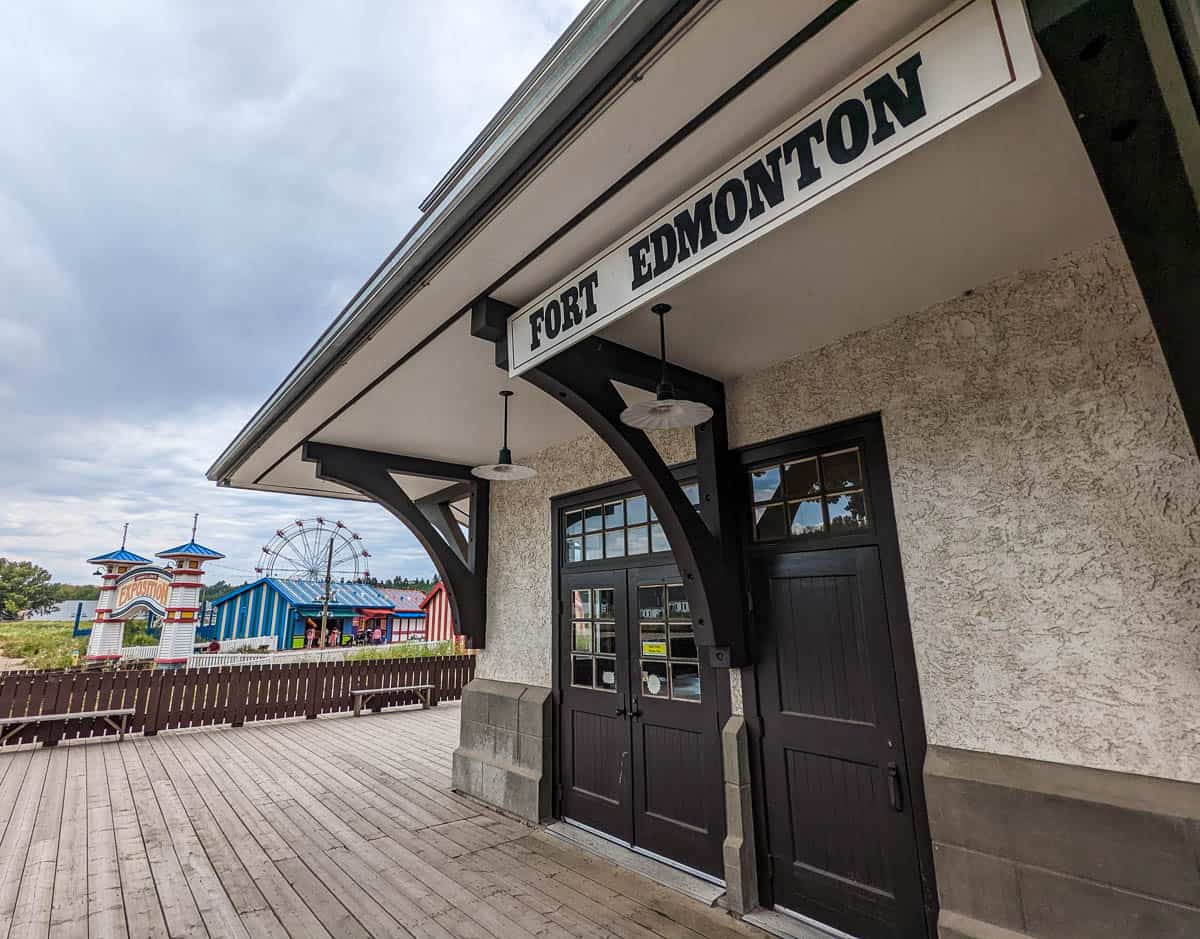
843 839
640 744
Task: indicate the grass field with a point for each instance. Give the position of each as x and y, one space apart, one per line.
51 645
41 645
404 650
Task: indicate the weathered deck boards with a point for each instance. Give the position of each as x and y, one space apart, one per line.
339 827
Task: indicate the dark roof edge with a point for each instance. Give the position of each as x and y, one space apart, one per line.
538 114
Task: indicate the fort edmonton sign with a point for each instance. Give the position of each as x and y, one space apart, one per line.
960 63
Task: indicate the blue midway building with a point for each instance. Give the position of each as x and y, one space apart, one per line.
287 608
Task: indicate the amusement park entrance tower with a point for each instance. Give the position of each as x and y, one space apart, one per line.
131 583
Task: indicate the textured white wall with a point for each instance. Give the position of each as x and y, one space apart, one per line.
520 558
1048 504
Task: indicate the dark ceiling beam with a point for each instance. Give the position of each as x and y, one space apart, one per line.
1128 84
489 321
369 473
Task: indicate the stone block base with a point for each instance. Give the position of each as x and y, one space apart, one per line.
741 864
504 754
1030 849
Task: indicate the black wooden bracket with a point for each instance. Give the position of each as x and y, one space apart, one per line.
436 508
704 543
1128 76
460 562
582 379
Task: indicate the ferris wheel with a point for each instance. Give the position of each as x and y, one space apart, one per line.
300 551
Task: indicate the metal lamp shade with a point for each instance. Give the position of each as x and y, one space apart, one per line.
665 414
504 468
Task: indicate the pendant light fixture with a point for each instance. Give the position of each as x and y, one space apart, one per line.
665 411
504 467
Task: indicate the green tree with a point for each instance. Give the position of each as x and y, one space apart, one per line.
24 586
218 590
424 584
65 592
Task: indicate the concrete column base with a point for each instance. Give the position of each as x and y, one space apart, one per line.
1024 848
504 757
741 864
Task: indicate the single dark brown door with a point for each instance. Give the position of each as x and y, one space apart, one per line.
597 787
678 793
841 836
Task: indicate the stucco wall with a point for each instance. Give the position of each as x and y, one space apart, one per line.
1048 504
519 563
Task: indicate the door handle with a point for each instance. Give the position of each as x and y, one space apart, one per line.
635 711
620 711
895 794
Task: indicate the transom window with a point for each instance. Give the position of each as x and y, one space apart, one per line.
667 643
593 639
618 528
819 495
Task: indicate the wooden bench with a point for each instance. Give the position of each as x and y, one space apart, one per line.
116 718
427 694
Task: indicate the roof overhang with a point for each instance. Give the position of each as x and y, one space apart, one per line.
1005 191
595 50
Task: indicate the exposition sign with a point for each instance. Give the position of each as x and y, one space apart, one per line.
966 59
149 586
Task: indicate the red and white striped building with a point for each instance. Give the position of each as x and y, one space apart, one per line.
439 619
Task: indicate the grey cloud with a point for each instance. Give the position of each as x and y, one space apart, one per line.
188 193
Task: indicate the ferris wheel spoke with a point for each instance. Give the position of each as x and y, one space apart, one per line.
301 550
307 551
349 565
296 552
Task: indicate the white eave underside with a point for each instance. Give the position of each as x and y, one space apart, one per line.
1007 191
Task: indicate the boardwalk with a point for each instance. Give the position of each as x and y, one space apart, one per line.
339 827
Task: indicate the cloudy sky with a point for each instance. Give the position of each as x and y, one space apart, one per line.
188 194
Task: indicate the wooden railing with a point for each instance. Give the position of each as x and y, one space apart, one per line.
196 697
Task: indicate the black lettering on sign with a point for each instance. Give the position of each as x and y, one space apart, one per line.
800 148
587 287
553 319
765 182
662 240
854 113
535 327
570 307
730 207
760 186
885 95
638 252
695 228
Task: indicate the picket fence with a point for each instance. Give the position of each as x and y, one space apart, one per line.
197 697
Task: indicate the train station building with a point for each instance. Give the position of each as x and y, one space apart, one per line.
843 546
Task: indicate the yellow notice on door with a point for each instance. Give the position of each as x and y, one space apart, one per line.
654 648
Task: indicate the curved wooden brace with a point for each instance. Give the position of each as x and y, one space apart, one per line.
582 379
369 473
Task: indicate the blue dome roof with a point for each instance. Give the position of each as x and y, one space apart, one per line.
190 550
120 556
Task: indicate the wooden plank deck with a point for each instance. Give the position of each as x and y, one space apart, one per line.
339 827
